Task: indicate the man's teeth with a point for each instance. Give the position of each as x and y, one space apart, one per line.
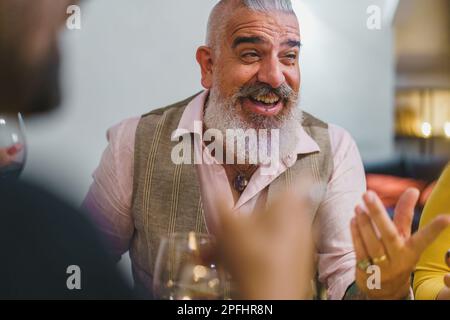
267 100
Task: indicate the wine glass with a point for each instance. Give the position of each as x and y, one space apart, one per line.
13 147
186 268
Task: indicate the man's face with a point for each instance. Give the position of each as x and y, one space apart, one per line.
29 54
257 64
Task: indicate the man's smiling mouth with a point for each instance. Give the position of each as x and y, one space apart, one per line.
267 105
268 99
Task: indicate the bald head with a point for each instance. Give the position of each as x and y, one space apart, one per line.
222 12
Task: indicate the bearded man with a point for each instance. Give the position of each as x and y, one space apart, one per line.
251 75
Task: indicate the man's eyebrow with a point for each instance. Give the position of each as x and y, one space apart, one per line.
241 40
292 43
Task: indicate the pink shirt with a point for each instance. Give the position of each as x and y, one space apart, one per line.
109 198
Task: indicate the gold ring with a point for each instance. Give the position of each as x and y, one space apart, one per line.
379 259
363 264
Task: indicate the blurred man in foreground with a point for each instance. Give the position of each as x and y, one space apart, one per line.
43 241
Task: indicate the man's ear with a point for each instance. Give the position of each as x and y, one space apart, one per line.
205 60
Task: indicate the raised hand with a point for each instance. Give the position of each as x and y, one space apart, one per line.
445 293
389 244
270 252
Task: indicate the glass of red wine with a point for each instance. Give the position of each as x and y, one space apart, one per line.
13 147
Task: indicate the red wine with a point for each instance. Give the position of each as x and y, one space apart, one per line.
11 171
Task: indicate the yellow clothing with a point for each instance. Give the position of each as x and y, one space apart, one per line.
431 269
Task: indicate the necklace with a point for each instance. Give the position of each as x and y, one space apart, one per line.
241 180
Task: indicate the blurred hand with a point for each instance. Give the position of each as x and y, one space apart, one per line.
389 244
445 293
7 155
269 253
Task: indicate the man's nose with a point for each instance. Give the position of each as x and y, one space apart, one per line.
271 72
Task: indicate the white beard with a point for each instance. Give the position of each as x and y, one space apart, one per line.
225 113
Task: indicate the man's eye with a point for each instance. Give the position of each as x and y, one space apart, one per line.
291 56
250 56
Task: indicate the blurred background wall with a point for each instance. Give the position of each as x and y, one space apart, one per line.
422 32
349 70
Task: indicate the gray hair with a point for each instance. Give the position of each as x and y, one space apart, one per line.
268 5
221 11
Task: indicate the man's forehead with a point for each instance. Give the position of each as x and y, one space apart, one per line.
272 23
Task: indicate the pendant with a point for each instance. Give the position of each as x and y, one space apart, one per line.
240 183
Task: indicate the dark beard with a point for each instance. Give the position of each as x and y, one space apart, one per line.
29 89
46 94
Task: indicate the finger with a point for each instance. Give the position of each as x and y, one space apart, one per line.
404 211
5 158
15 149
287 213
424 237
228 220
372 243
230 232
360 250
387 229
447 280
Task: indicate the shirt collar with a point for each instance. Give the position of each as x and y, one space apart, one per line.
193 113
305 145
